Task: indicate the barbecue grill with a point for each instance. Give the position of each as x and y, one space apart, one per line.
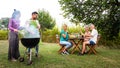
29 43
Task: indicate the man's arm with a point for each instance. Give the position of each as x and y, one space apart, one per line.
38 25
93 33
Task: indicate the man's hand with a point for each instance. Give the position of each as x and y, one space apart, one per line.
38 27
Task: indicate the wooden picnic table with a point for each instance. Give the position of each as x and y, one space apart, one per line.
76 41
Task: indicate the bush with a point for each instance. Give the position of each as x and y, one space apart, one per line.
50 35
3 34
76 29
110 43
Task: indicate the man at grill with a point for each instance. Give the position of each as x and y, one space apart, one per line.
32 30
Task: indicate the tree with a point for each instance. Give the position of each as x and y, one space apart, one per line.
46 21
98 12
4 23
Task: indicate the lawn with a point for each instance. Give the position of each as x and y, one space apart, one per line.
49 58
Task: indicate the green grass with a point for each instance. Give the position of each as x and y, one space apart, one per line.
49 58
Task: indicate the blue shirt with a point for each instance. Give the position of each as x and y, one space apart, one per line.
62 38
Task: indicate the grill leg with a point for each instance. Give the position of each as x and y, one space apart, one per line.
30 59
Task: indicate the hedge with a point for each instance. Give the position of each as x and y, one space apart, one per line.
3 34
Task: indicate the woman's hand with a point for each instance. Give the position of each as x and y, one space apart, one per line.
15 30
64 35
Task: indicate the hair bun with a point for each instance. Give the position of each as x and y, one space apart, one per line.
14 9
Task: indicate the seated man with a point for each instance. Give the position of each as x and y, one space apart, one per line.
92 40
64 39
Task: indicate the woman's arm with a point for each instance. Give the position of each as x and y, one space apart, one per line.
64 35
10 26
87 34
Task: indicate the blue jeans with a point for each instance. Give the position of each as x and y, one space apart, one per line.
66 44
92 43
36 48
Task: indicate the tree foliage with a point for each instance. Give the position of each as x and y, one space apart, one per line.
4 23
103 13
45 19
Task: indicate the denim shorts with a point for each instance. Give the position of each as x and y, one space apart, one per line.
92 43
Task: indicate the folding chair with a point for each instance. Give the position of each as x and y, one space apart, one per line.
58 41
92 47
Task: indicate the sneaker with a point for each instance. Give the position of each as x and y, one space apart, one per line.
62 53
36 55
86 52
66 53
14 60
28 54
67 50
80 54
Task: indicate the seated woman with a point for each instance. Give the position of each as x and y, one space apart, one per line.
86 37
87 32
64 40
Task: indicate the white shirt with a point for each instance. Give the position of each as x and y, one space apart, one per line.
94 34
